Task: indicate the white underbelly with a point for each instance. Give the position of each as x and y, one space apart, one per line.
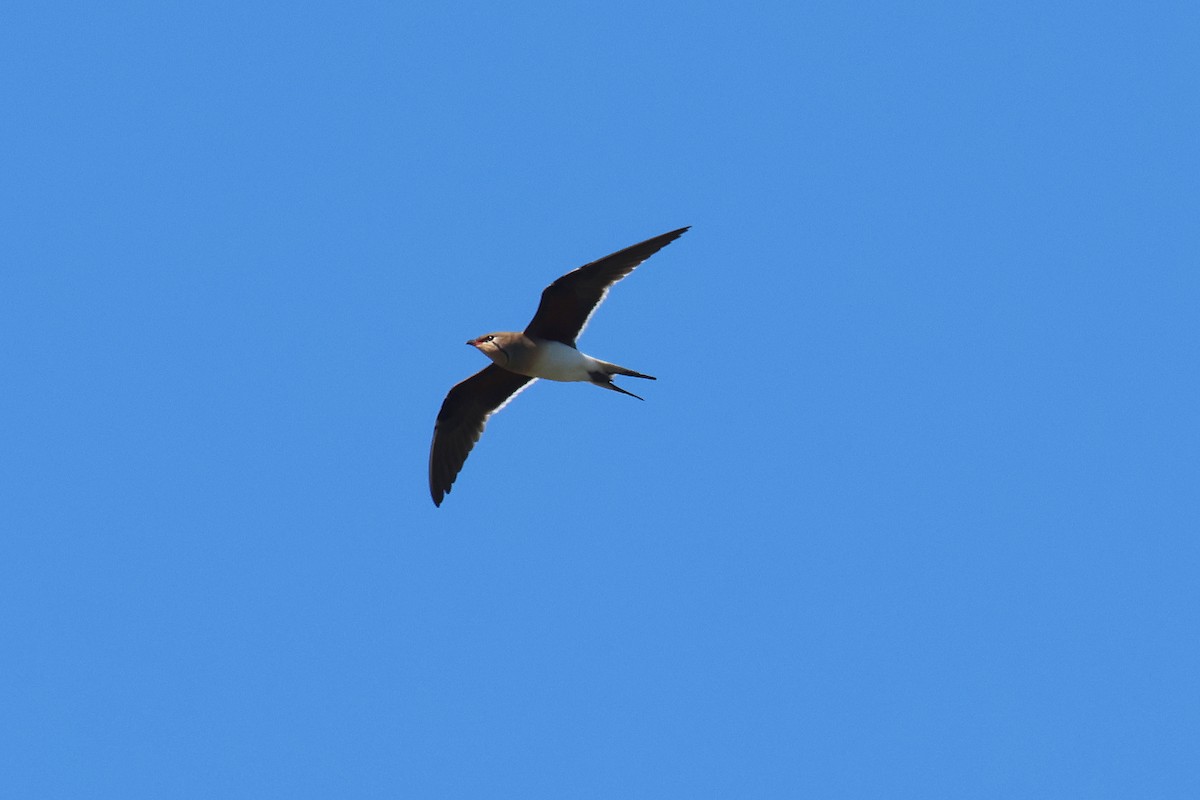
556 361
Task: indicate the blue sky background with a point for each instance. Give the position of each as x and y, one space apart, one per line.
910 512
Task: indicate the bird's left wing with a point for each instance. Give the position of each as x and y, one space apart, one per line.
460 422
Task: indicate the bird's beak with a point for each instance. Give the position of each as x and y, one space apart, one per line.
472 342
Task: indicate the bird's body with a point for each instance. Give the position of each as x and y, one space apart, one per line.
556 361
545 358
545 349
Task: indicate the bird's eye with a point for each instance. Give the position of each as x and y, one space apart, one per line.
488 338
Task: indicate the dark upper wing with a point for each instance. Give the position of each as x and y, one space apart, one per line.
460 422
569 301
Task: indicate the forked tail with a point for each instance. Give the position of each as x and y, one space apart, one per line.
613 369
604 379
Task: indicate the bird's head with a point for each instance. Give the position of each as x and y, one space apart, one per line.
494 346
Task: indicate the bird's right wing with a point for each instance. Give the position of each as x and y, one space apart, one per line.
568 303
460 422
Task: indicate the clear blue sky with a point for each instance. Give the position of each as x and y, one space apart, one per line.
910 512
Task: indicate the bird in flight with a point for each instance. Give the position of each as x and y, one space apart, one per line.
545 349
